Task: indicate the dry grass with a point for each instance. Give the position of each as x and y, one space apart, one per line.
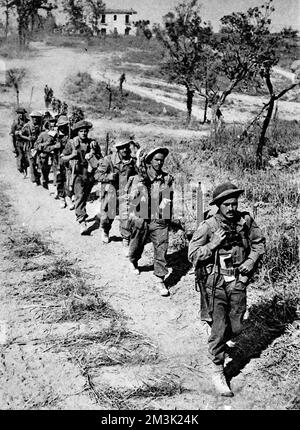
10 49
130 399
109 347
23 244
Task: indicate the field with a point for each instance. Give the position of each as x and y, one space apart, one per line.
72 309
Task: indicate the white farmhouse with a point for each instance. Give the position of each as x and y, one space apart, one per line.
116 21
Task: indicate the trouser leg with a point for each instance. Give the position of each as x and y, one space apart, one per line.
19 158
60 182
108 209
106 222
68 184
34 176
124 229
237 308
159 236
82 189
45 170
138 240
219 326
54 171
24 159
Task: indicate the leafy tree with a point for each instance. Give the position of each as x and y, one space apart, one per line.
5 5
27 10
95 9
186 41
75 11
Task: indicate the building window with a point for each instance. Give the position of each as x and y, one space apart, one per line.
103 31
126 19
103 19
115 17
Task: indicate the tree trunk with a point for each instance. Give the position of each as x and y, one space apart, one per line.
189 104
6 21
205 110
266 123
22 33
18 97
262 137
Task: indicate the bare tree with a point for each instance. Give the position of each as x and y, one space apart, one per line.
14 78
248 52
184 39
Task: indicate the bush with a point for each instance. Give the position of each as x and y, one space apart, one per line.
130 106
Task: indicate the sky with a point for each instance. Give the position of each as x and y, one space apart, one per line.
287 12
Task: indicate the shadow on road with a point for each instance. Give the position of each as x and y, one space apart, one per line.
266 322
178 261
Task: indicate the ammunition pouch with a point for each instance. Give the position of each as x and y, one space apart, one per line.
229 272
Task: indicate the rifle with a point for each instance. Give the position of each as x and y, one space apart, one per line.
200 286
206 305
30 101
107 144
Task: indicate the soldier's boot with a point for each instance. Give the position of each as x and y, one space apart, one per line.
104 236
126 247
161 287
62 203
219 381
134 268
83 229
70 203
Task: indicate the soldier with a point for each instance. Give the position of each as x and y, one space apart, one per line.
56 149
113 172
228 247
82 154
151 198
18 143
134 146
48 95
122 79
30 133
44 147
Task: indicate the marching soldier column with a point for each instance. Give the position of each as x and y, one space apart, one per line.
225 250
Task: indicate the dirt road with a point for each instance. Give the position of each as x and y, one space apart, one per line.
172 324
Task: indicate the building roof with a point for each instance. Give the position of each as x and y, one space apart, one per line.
119 11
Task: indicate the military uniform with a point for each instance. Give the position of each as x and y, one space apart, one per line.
150 218
113 173
225 251
30 134
43 146
60 143
81 170
18 143
225 286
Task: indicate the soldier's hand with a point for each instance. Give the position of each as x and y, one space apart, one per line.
246 267
217 238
